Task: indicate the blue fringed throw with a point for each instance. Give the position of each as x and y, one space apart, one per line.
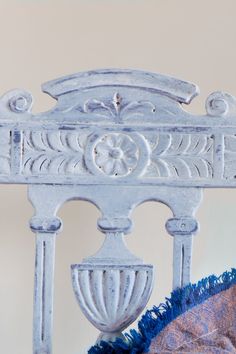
159 332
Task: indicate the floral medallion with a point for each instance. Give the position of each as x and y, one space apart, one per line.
116 154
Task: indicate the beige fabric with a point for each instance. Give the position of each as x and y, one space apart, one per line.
207 328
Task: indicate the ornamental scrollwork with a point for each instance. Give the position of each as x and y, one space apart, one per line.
20 101
220 104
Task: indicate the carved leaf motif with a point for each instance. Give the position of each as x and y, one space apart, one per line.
116 108
53 152
182 156
99 107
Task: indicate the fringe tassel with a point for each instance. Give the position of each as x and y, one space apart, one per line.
155 320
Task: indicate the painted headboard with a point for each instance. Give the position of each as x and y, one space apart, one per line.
115 138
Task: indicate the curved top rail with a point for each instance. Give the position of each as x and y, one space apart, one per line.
181 91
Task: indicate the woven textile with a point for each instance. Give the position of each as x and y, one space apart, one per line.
207 328
199 318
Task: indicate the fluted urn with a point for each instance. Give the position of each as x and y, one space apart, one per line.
111 294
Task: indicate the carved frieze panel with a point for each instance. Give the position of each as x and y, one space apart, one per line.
114 154
118 154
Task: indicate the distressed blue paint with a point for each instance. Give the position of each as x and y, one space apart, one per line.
16 137
158 152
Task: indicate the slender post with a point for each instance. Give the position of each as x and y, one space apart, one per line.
182 229
182 260
43 293
46 226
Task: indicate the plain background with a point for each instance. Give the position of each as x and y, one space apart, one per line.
43 40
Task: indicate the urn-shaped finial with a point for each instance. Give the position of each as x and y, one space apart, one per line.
112 293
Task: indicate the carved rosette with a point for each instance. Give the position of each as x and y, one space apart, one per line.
116 154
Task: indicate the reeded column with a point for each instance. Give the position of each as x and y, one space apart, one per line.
182 229
46 226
